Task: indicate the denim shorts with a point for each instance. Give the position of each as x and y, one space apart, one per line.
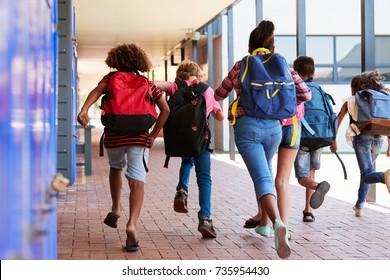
134 157
287 135
306 161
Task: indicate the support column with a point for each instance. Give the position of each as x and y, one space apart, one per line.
195 50
67 90
210 58
301 27
368 55
232 146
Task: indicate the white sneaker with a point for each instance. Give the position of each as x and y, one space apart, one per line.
386 175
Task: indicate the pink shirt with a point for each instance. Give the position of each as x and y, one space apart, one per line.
211 104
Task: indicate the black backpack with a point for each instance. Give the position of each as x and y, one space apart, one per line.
187 125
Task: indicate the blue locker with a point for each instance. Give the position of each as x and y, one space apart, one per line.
52 92
19 167
5 129
40 208
28 129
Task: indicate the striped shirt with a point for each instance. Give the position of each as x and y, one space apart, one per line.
116 140
232 81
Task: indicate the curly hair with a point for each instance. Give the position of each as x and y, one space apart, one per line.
188 68
262 36
369 80
128 58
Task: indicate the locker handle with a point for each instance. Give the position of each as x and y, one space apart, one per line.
60 183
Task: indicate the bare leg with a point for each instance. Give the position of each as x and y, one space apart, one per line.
258 215
264 217
136 199
281 232
116 190
256 219
286 158
310 186
270 206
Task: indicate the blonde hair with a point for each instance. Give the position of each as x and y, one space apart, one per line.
188 68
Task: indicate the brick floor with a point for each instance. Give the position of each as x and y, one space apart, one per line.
335 235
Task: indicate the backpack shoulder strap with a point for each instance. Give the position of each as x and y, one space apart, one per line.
307 126
166 161
181 84
101 146
110 75
202 87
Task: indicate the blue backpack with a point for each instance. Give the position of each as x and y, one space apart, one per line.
268 89
373 111
319 125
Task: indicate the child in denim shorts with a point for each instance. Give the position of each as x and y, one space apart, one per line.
308 161
123 149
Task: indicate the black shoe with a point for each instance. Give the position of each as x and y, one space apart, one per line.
206 228
308 217
318 196
180 201
111 220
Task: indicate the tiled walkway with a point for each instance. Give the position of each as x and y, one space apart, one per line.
335 235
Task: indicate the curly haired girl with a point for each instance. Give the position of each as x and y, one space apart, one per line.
367 146
123 150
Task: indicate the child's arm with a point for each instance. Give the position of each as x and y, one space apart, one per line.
162 118
214 106
303 92
163 85
388 147
219 116
93 96
341 115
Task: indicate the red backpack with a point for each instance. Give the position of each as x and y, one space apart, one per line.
128 106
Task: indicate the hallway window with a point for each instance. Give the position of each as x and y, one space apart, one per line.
345 74
382 46
286 46
348 50
321 48
323 74
337 57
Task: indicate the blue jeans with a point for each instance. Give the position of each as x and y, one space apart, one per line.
367 149
257 141
202 164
